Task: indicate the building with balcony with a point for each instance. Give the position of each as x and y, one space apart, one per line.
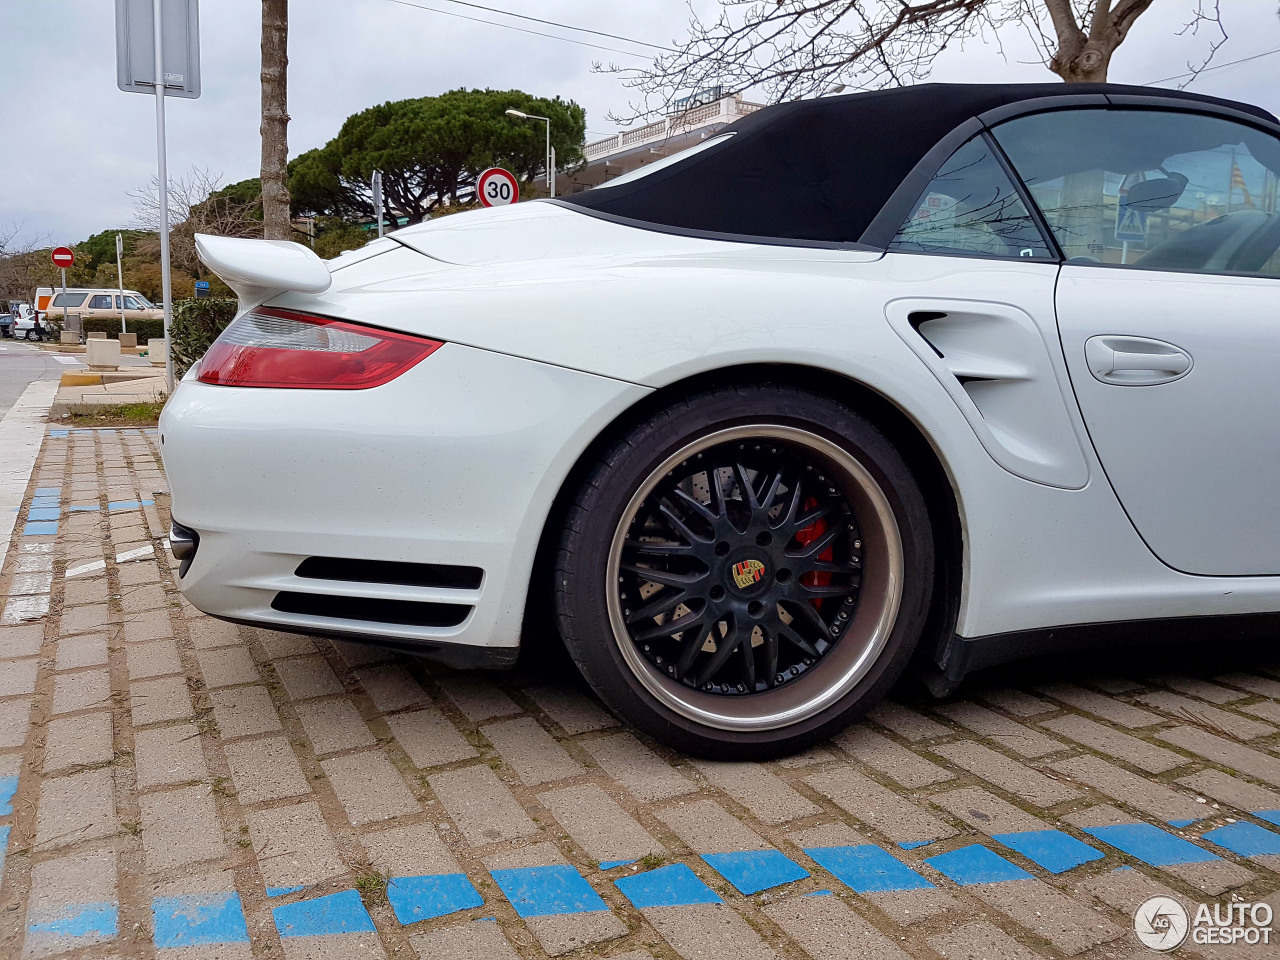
630 149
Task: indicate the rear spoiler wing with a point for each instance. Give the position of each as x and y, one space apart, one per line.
258 270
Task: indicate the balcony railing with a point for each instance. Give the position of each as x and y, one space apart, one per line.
708 114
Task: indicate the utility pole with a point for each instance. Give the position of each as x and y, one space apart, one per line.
166 284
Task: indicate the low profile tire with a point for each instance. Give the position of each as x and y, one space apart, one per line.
746 572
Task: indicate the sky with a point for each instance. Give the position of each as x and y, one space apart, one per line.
76 145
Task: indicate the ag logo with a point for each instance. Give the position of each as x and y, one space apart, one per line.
747 572
1161 923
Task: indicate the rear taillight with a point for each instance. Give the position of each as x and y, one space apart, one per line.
268 347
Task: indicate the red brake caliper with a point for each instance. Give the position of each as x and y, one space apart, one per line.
807 536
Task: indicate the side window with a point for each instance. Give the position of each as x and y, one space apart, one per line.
68 300
1153 189
971 207
100 301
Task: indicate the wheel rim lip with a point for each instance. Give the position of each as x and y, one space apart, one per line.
880 596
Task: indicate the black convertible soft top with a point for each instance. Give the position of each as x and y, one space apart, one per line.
820 170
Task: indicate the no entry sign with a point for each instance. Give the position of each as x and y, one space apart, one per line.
497 187
63 257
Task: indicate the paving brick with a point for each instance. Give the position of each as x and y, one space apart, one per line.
1131 750
207 633
243 712
646 776
154 658
597 824
88 590
979 940
1007 733
573 711
530 751
82 651
1100 705
279 644
15 720
357 655
826 928
478 699
1016 702
906 723
306 678
760 791
227 667
1035 905
18 677
481 806
1137 792
369 787
76 808
179 827
333 725
477 940
168 755
150 625
157 701
890 758
1205 690
1254 684
81 691
1125 888
705 827
265 770
334 946
1268 710
135 599
138 573
76 741
72 903
429 738
91 616
1184 708
897 818
293 845
1009 775
1225 752
1232 790
391 687
986 812
415 850
23 641
706 930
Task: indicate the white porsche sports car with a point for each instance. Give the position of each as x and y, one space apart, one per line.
951 373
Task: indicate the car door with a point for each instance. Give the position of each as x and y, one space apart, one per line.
99 307
1168 309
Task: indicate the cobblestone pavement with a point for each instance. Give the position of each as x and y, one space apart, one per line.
173 785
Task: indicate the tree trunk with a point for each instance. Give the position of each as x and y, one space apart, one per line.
275 119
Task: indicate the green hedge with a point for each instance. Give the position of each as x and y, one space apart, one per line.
145 329
195 325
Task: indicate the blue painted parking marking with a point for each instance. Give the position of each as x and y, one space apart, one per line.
8 787
282 891
58 433
672 886
83 508
40 528
1246 839
129 504
1150 844
337 913
1180 824
976 864
751 871
1271 816
912 844
544 891
45 503
43 514
421 898
610 864
80 920
1054 850
199 918
47 491
867 869
4 847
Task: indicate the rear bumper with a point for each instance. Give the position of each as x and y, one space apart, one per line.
453 464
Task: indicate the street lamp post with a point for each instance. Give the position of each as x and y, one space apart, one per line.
551 154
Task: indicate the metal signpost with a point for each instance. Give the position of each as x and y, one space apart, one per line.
120 278
158 52
377 199
551 152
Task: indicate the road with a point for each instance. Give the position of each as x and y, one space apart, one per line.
23 363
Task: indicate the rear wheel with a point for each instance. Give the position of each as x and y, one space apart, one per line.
746 572
32 335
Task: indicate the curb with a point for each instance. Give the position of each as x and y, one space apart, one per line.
21 433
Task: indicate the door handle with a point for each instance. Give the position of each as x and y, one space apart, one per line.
1135 361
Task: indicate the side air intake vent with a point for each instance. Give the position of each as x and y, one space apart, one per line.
384 571
407 613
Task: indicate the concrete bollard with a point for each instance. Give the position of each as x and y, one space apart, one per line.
96 335
156 351
70 336
128 340
103 354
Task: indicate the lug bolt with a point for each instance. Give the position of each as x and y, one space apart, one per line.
779 678
795 671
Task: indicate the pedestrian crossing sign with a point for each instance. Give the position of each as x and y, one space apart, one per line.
1131 224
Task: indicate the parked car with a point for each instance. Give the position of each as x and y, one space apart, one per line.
942 376
102 304
31 327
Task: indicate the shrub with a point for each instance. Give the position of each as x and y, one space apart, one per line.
195 325
145 329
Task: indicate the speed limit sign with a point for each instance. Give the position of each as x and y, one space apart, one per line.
497 187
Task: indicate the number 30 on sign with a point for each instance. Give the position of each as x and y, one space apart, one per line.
497 187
